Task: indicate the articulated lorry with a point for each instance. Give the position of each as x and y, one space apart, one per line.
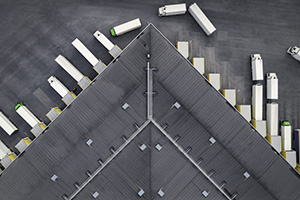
257 102
257 67
82 80
67 96
113 50
272 119
294 51
31 119
7 125
174 9
286 141
126 27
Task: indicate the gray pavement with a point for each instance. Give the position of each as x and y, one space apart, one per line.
34 32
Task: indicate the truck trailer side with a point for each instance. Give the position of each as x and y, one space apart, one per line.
257 102
272 119
126 27
7 125
201 19
272 86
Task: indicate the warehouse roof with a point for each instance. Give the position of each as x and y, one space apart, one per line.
146 128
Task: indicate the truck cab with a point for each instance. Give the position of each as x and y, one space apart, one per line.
294 51
174 9
257 67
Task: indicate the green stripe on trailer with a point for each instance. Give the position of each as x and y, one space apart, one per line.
18 106
113 33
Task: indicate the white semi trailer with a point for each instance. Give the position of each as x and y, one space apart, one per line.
201 19
4 150
174 9
85 52
66 95
183 48
286 140
81 80
272 86
97 64
257 102
286 136
272 119
294 51
126 27
113 50
257 67
7 125
31 119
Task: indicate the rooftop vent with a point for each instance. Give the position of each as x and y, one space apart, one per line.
188 149
54 178
177 105
141 192
212 140
135 125
158 147
235 194
112 149
95 195
124 138
88 173
205 193
246 175
142 147
161 193
165 125
223 183
76 185
211 172
177 137
199 161
100 161
125 106
89 142
148 56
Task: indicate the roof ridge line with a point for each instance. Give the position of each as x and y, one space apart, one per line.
189 158
97 171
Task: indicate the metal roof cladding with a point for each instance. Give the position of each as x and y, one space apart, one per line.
207 150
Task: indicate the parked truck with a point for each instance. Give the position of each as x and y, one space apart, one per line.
272 86
37 126
82 80
85 52
67 96
126 27
113 50
183 48
294 51
7 125
4 150
201 19
257 102
27 115
272 119
174 9
257 67
286 136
